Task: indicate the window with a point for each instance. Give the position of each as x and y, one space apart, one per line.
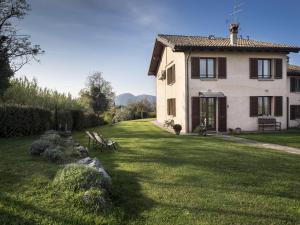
295 84
171 106
207 68
295 112
264 106
171 75
264 68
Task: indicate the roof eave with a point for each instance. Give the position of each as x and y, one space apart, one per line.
236 48
155 59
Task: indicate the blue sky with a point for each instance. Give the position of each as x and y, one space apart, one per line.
116 37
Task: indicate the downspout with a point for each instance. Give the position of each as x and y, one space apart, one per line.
187 91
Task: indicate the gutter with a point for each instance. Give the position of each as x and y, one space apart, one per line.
187 121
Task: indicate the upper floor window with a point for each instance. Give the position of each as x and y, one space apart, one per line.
264 68
171 75
207 68
295 84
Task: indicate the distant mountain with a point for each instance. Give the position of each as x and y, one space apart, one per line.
124 99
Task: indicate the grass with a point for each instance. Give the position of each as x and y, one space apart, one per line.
159 178
287 139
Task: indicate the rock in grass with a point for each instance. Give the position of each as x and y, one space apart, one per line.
83 151
96 164
78 177
54 154
39 146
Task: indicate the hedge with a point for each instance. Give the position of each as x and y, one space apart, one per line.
23 120
16 120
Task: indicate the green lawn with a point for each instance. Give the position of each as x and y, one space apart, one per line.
288 139
159 178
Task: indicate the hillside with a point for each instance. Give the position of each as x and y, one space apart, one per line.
124 99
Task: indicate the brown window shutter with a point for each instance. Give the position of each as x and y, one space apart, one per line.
253 68
253 106
169 75
174 106
278 68
173 74
278 106
169 106
292 84
195 61
222 114
293 112
195 112
222 68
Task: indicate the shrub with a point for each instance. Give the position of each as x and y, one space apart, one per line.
78 119
92 120
201 130
122 114
108 118
54 154
39 146
151 115
64 120
177 128
75 177
96 199
23 121
54 139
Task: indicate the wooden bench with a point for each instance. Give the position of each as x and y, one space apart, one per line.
268 123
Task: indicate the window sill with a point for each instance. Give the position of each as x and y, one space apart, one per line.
208 79
265 79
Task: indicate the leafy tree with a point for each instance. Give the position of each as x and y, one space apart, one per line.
99 93
27 92
5 74
141 107
15 49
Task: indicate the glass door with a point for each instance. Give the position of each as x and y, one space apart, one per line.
208 113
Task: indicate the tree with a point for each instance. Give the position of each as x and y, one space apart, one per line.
5 74
15 49
99 92
141 107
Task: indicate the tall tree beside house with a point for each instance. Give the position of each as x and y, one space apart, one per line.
15 49
98 92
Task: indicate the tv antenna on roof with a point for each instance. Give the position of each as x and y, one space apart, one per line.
236 9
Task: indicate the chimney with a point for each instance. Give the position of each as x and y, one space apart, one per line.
234 29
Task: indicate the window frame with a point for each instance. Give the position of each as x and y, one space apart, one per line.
296 84
297 112
264 76
171 107
171 77
263 109
206 68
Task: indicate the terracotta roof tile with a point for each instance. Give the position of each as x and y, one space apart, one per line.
178 41
293 70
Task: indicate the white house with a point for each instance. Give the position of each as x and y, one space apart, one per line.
224 82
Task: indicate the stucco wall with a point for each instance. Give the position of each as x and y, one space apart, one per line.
176 90
238 88
294 100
